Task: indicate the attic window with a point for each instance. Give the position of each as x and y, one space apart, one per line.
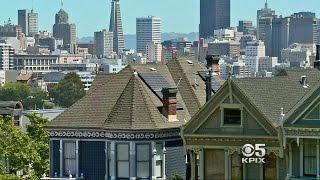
231 116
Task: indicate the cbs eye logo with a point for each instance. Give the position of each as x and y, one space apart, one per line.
248 151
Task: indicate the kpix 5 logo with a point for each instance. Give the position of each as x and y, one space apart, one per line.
253 154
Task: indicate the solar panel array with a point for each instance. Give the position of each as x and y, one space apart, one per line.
155 81
215 83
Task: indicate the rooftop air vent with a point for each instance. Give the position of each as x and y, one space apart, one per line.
304 81
189 62
153 69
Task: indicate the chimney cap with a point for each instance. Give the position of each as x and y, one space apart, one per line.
169 92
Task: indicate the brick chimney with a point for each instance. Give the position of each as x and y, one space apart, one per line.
170 103
213 63
317 61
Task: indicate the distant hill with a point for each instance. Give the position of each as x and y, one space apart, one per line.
130 39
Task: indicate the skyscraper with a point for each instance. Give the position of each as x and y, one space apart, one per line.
280 35
103 43
264 20
6 53
28 20
115 26
148 30
23 20
246 27
214 14
32 23
301 23
62 29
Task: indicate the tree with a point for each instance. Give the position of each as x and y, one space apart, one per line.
20 149
68 90
37 132
16 148
176 176
30 97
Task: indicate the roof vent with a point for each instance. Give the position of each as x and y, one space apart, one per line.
135 73
304 81
189 62
153 69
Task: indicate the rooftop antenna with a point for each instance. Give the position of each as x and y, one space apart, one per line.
266 4
61 4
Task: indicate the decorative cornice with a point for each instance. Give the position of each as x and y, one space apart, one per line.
302 131
98 134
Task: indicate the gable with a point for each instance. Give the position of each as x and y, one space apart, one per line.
309 115
215 122
209 120
307 112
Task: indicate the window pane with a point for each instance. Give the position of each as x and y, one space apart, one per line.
158 169
232 116
143 152
310 158
70 166
159 148
69 152
123 169
123 152
143 169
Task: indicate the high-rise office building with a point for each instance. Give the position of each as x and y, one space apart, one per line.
32 23
306 25
28 20
246 27
154 52
256 48
6 53
23 20
115 26
148 30
280 35
103 43
214 14
264 20
62 29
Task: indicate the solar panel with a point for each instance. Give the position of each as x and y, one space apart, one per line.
215 83
155 81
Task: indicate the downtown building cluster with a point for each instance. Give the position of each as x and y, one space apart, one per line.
286 41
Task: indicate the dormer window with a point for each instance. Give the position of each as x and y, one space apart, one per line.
231 115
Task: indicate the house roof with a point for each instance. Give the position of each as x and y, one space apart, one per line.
53 77
285 90
7 107
125 101
117 102
10 104
24 77
266 96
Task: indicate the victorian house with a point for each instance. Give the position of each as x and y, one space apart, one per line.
275 119
128 124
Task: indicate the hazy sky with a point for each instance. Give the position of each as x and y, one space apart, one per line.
177 15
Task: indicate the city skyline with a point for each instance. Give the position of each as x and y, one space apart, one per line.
186 22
